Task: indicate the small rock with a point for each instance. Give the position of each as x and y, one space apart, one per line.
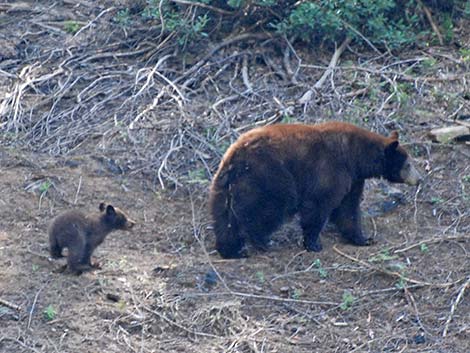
113 297
210 278
419 339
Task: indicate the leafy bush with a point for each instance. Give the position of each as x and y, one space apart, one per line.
174 19
382 23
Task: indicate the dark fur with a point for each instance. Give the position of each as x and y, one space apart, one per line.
318 171
81 234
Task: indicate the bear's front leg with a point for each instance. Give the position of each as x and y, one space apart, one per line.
347 216
312 220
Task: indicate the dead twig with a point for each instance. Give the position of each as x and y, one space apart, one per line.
245 77
175 324
205 6
454 306
287 64
203 247
333 63
216 48
428 14
33 306
10 305
78 190
93 20
393 273
306 97
17 341
266 297
433 241
412 301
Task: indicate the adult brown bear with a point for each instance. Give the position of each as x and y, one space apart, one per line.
318 171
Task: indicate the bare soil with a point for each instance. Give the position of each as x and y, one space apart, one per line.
162 287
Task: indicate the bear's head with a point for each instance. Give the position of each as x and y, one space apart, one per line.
398 164
115 218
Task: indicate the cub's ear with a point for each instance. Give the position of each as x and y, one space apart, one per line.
391 147
102 206
110 211
394 135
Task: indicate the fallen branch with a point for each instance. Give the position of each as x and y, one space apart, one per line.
205 6
93 21
333 63
10 305
433 241
262 297
454 306
181 327
393 273
428 14
215 49
329 70
245 76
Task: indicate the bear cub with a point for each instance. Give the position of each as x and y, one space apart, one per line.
81 233
318 171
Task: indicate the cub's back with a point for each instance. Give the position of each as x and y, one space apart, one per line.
67 225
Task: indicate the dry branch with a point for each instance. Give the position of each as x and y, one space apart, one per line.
433 241
10 304
428 14
215 49
329 71
454 306
175 324
105 11
393 273
333 63
448 133
205 6
245 76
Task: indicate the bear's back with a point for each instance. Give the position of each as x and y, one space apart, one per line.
297 141
68 225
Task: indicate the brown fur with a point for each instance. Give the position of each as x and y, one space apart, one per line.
81 233
318 171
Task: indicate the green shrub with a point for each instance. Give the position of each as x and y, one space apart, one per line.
382 23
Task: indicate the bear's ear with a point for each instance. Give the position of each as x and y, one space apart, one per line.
110 211
102 206
394 135
391 147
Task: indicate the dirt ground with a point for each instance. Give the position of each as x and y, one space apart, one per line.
162 287
158 290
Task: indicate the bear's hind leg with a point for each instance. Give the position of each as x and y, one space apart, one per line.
259 230
270 203
347 216
55 250
261 197
76 256
260 214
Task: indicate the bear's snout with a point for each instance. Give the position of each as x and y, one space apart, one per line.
130 224
410 175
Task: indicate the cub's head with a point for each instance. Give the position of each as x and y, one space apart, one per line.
116 218
398 164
